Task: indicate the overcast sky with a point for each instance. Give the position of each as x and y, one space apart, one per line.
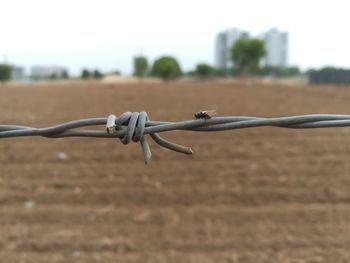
106 34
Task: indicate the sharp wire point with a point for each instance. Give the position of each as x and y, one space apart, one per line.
110 126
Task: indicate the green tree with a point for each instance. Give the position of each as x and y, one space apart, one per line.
140 66
167 68
246 54
277 71
116 72
204 70
219 72
97 74
85 74
292 71
65 74
5 73
53 76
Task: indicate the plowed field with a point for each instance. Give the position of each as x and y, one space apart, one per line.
250 195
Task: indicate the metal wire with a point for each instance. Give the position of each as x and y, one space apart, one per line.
134 126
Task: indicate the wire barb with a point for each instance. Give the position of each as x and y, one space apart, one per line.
135 126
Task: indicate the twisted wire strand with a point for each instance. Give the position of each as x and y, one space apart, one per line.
134 126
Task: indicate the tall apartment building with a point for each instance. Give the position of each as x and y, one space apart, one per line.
276 44
223 43
17 73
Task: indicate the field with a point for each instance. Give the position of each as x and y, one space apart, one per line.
250 195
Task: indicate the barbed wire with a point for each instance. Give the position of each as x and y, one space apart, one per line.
134 126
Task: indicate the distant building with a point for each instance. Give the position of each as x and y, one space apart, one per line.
220 50
17 73
276 44
223 44
47 72
329 75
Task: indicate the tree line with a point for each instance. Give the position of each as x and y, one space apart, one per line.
245 54
5 73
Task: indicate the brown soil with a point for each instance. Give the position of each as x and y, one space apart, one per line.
251 195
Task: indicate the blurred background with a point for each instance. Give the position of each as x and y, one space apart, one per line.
251 195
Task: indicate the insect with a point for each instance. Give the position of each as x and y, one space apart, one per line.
205 114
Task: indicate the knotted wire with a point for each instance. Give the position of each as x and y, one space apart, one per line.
135 126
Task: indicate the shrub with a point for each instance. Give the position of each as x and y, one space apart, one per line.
167 68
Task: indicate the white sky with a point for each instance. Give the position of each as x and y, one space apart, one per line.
107 34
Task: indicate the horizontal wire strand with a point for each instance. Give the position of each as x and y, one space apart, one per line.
135 126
